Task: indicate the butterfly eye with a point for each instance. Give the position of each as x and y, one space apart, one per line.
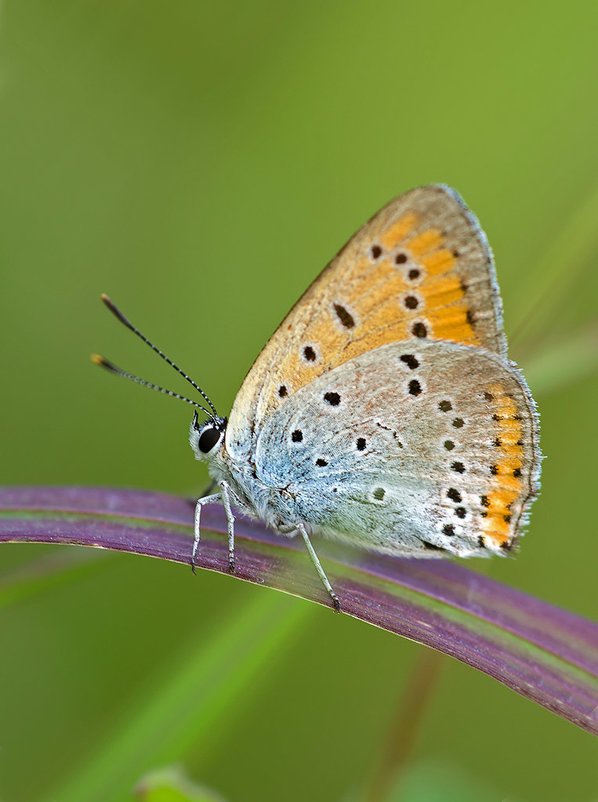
208 439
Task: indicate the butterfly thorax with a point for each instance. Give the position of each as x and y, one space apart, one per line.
251 492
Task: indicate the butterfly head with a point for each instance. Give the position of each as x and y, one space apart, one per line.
207 437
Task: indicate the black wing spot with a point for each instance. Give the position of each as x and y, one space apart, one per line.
445 406
309 353
411 361
400 258
321 462
481 542
413 274
411 302
460 512
345 317
379 493
454 495
376 251
415 387
458 467
493 470
448 529
360 443
484 501
458 423
419 330
449 445
282 391
297 436
333 399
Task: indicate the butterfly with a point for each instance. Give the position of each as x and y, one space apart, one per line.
384 411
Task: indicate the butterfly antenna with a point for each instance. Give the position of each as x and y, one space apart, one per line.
104 363
119 315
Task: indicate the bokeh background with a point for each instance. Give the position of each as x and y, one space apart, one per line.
201 162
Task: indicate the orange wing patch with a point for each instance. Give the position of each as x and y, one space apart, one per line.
500 519
398 230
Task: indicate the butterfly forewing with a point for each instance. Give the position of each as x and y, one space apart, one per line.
420 269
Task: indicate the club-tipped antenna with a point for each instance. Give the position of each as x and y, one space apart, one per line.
119 315
104 363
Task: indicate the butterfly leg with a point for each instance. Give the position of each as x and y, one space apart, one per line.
197 525
317 565
230 519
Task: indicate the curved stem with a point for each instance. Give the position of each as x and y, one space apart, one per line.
540 651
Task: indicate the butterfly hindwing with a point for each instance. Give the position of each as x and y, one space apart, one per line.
413 447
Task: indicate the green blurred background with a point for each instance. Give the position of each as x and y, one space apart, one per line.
201 162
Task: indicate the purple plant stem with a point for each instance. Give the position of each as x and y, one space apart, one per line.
545 653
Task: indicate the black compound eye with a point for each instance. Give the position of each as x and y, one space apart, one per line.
208 439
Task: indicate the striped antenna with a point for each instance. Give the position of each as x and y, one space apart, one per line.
109 366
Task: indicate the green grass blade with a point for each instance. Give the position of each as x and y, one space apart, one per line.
181 710
565 362
547 283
